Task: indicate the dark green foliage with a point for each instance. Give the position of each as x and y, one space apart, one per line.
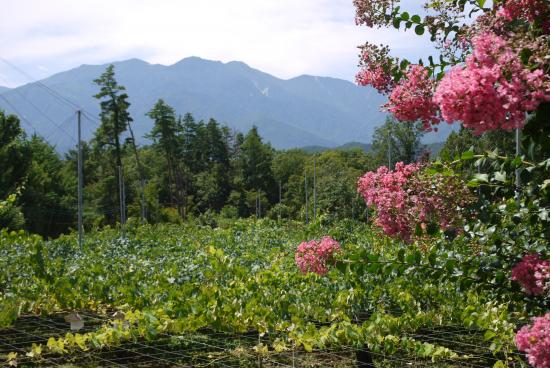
14 154
401 139
107 148
114 113
167 141
11 216
45 204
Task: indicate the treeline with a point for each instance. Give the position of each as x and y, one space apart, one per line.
192 169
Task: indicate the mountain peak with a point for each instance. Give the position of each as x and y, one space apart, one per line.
238 64
132 61
302 111
194 60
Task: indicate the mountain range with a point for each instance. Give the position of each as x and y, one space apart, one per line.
301 111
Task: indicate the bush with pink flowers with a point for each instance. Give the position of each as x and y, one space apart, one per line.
491 72
316 256
409 199
533 274
412 98
493 90
534 340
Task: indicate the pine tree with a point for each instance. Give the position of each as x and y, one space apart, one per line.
114 121
167 138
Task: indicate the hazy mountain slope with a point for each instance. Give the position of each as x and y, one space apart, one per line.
3 89
301 111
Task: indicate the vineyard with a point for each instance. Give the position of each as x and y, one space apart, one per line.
233 296
209 248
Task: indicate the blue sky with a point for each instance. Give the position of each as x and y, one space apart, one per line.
285 38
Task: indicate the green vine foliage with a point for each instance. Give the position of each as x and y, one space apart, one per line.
242 278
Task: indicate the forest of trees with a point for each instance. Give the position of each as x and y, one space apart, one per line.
190 170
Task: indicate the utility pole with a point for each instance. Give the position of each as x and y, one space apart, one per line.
121 200
80 182
305 188
143 211
314 188
280 199
140 171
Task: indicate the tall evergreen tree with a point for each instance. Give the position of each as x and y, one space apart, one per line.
114 112
114 121
255 175
166 135
213 183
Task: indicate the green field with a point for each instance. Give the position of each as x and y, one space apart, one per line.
232 296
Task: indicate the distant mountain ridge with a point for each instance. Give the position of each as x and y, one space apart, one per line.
4 89
302 111
433 148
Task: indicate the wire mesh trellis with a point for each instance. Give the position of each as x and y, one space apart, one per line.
209 348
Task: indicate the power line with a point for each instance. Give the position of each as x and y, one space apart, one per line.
43 114
50 90
57 95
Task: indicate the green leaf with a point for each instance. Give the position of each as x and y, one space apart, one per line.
416 19
404 64
401 255
516 162
500 176
405 16
373 257
419 29
488 335
482 178
525 55
396 22
468 155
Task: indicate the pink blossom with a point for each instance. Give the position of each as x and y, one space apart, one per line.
385 190
542 276
534 340
376 68
371 12
375 77
407 197
493 90
529 10
412 98
315 256
532 273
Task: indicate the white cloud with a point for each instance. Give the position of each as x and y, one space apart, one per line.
282 37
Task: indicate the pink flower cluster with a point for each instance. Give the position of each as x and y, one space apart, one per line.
412 98
534 340
315 256
493 90
408 197
376 68
375 77
533 274
529 10
386 190
371 12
